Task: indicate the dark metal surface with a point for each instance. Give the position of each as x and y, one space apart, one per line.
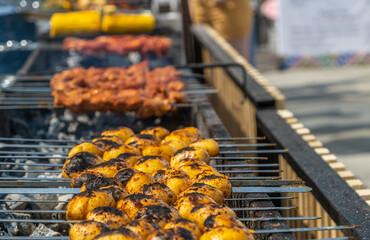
255 92
341 202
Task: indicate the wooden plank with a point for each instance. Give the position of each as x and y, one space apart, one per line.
322 151
364 193
308 137
284 113
291 120
297 125
356 184
315 144
329 158
347 175
338 166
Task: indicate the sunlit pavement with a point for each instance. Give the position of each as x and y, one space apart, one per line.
335 105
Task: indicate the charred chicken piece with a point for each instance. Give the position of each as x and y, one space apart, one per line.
84 202
190 152
164 151
123 133
79 163
201 212
177 233
130 158
110 216
83 177
151 164
99 182
207 190
114 152
215 221
218 182
210 145
87 230
133 180
112 138
109 168
117 192
176 144
104 144
161 214
188 201
143 227
118 234
134 202
160 132
86 147
160 191
180 135
226 233
149 137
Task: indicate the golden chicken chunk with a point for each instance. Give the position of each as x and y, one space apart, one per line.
118 234
161 214
132 203
104 142
117 192
160 191
195 169
87 230
193 130
123 133
177 233
143 227
112 138
149 137
133 180
142 144
218 182
177 184
114 152
130 158
79 163
188 161
151 164
86 147
160 132
190 152
207 190
110 216
179 135
164 151
79 179
176 144
109 168
99 182
84 202
201 212
164 174
184 223
188 201
226 233
210 145
215 221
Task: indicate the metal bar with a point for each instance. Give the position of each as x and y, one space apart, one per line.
35 157
12 145
246 199
33 211
331 228
264 208
277 219
250 171
40 140
29 107
239 158
297 189
238 138
36 238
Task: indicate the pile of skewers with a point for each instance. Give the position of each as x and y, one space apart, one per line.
153 185
135 89
121 45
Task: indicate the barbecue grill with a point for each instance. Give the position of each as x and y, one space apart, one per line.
260 196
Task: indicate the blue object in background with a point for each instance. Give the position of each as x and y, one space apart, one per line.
13 26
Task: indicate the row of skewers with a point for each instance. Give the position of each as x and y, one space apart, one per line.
168 192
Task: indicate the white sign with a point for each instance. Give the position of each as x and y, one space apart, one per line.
323 27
